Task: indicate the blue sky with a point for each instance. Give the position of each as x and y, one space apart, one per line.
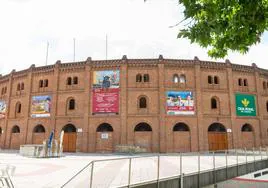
134 28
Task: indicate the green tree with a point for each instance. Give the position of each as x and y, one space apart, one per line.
223 25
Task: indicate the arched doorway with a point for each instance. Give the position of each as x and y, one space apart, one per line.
181 138
69 138
15 137
38 134
247 136
104 138
143 136
217 137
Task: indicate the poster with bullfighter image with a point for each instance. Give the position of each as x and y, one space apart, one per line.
41 106
3 108
106 79
180 103
105 97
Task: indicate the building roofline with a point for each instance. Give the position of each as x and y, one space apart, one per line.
137 61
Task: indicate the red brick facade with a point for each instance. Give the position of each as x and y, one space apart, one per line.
162 137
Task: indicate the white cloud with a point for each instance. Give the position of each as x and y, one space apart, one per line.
134 28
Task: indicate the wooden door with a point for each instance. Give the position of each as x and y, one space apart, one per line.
38 138
15 141
181 141
69 142
1 142
247 140
144 140
217 141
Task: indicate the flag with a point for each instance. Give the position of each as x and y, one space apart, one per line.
50 139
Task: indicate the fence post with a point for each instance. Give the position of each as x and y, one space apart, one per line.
181 170
182 180
237 168
129 172
214 167
261 153
254 158
246 159
198 169
158 170
226 163
91 175
180 163
266 152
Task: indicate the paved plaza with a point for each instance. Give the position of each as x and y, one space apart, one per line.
54 172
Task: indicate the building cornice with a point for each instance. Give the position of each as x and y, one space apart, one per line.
116 63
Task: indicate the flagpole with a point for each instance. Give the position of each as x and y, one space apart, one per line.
47 53
74 51
106 47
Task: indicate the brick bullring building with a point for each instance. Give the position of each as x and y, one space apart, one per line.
163 105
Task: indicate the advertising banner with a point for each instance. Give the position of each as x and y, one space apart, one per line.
41 106
105 97
245 105
106 79
106 101
3 108
180 102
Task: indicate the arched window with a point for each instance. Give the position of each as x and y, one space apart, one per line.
39 129
182 78
142 127
181 127
175 78
240 82
138 78
75 80
18 107
216 80
69 81
142 102
22 86
267 106
46 83
214 103
264 85
216 127
71 104
146 78
105 127
18 87
41 83
1 130
245 82
246 128
15 129
69 128
210 79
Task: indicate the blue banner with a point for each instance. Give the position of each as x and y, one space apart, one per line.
50 139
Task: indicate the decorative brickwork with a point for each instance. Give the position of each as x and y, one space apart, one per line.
157 77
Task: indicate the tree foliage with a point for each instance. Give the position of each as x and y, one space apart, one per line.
223 25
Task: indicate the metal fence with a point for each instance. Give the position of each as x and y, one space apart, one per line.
6 172
149 168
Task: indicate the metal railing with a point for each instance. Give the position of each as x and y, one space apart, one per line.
6 171
152 168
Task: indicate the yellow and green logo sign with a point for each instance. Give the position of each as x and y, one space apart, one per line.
245 105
